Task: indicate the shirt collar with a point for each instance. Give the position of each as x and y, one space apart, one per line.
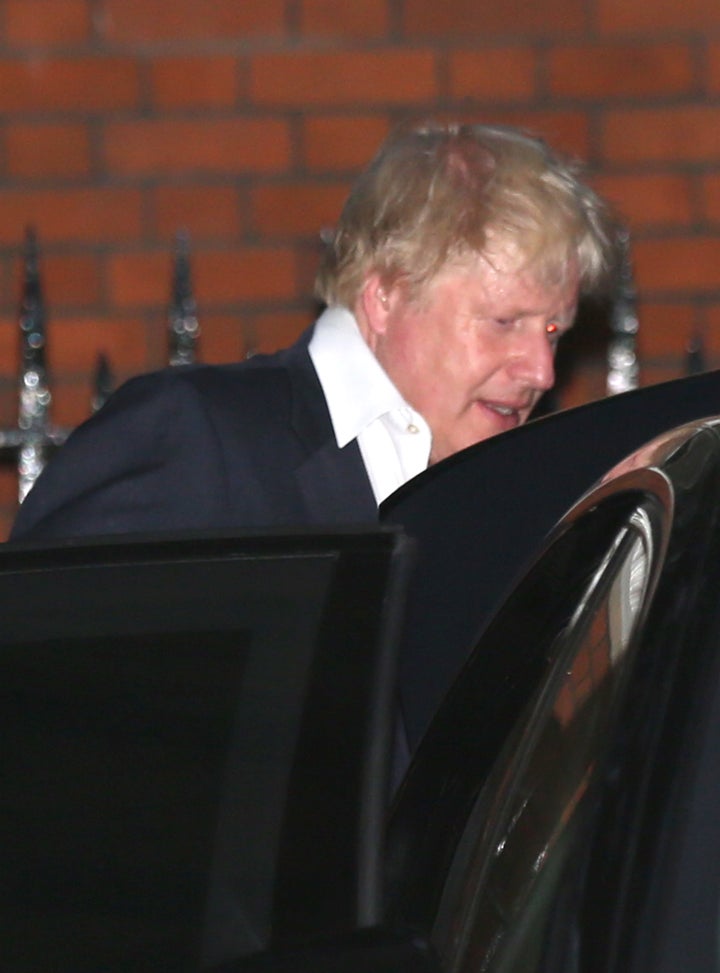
356 388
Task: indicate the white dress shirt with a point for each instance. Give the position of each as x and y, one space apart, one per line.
364 404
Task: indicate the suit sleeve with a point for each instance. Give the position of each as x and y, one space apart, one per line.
148 461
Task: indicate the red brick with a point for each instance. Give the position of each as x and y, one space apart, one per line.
46 22
678 264
249 274
222 338
8 409
713 67
665 329
465 17
93 214
139 279
9 384
333 143
615 16
194 82
711 335
164 146
66 84
297 209
8 489
328 18
711 197
220 277
502 73
43 150
71 280
156 20
9 345
72 400
271 331
624 70
688 134
586 383
351 77
308 258
8 494
7 288
650 199
6 519
653 374
206 212
73 395
77 342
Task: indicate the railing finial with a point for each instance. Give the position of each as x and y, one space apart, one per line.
623 370
183 327
34 391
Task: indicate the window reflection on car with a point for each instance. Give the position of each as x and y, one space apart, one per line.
507 863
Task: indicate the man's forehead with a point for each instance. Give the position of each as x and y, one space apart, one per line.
502 276
516 279
549 268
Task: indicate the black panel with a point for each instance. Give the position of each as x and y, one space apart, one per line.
158 705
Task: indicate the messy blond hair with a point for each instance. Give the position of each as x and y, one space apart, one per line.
440 193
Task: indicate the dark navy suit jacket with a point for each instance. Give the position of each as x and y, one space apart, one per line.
204 447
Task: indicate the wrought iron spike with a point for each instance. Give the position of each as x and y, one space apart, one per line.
183 326
32 306
34 391
695 358
103 382
623 370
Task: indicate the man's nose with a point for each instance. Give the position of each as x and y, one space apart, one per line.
534 359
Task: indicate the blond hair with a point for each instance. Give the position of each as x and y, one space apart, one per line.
441 193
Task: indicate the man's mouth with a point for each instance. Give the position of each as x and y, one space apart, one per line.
506 410
503 410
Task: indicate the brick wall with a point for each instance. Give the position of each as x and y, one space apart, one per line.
243 121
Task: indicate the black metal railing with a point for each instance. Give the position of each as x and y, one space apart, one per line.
28 443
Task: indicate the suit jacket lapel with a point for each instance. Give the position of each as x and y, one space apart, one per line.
333 481
335 486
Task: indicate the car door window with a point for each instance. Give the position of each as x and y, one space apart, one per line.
493 912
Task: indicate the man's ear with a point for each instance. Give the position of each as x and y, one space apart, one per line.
374 306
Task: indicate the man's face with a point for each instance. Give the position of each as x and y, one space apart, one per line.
474 353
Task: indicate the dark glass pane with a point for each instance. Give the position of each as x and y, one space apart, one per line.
512 851
112 767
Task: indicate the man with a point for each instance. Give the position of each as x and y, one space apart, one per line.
455 269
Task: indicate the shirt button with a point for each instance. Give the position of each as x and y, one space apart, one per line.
412 428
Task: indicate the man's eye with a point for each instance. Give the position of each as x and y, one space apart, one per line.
553 333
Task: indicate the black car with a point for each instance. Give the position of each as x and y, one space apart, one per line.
217 755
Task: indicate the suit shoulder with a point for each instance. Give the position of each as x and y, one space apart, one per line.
244 400
254 385
263 378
